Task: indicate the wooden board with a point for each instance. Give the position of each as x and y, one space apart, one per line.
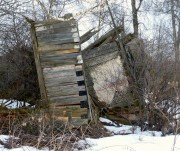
65 89
57 41
67 100
57 30
63 80
38 65
58 36
59 56
47 47
58 63
58 52
52 24
65 92
101 59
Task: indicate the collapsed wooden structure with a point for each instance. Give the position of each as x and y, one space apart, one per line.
105 73
56 48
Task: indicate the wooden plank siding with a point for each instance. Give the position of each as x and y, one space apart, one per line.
61 80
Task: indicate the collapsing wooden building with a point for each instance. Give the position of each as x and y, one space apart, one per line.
104 73
56 49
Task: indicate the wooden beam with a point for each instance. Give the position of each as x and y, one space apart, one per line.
38 64
88 35
99 41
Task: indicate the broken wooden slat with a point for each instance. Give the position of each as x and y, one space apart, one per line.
103 38
88 35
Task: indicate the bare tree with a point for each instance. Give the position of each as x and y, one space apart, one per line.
135 10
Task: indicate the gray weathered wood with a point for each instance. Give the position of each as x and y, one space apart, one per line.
60 56
47 47
79 67
103 38
66 67
99 51
57 81
58 52
57 41
67 100
67 91
57 30
48 24
101 59
56 63
88 35
57 36
64 89
38 64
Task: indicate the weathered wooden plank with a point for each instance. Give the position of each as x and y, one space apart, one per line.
64 90
99 41
60 74
101 50
101 59
54 24
38 65
57 30
47 47
58 60
60 56
58 52
67 100
56 63
50 81
57 36
57 41
60 68
87 36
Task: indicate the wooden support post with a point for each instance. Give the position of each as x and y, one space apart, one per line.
38 65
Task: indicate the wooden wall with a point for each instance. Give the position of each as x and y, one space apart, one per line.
105 73
61 80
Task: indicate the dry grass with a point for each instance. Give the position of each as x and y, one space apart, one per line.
38 131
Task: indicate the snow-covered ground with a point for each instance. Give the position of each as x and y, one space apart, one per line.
12 103
129 138
124 138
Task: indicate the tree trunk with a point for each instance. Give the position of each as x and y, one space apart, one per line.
176 39
135 17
